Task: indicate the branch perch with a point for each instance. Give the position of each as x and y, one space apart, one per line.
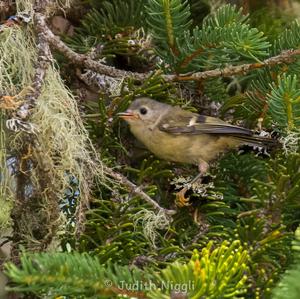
135 189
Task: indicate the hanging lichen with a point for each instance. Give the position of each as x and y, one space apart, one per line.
57 152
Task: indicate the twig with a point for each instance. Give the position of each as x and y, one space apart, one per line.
83 60
135 189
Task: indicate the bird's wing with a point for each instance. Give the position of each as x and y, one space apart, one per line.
186 122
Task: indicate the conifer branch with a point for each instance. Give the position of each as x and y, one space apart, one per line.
285 56
136 190
170 28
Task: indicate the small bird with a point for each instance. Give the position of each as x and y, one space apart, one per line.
177 135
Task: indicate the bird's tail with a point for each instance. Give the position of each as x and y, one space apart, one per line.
258 141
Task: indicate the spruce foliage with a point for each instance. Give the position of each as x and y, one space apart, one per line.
237 237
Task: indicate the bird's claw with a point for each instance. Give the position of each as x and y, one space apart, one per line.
181 200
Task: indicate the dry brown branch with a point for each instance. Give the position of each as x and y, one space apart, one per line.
135 189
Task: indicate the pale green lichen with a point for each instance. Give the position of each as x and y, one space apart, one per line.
62 144
6 183
290 142
151 222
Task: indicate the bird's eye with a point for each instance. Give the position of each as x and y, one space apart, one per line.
143 110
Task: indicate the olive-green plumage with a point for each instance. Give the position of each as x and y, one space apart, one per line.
174 134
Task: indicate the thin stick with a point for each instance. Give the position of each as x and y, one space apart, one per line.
135 189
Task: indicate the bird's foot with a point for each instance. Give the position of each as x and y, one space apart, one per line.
181 200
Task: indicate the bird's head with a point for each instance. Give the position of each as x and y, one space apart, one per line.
144 111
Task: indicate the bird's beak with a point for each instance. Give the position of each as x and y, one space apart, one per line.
128 115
